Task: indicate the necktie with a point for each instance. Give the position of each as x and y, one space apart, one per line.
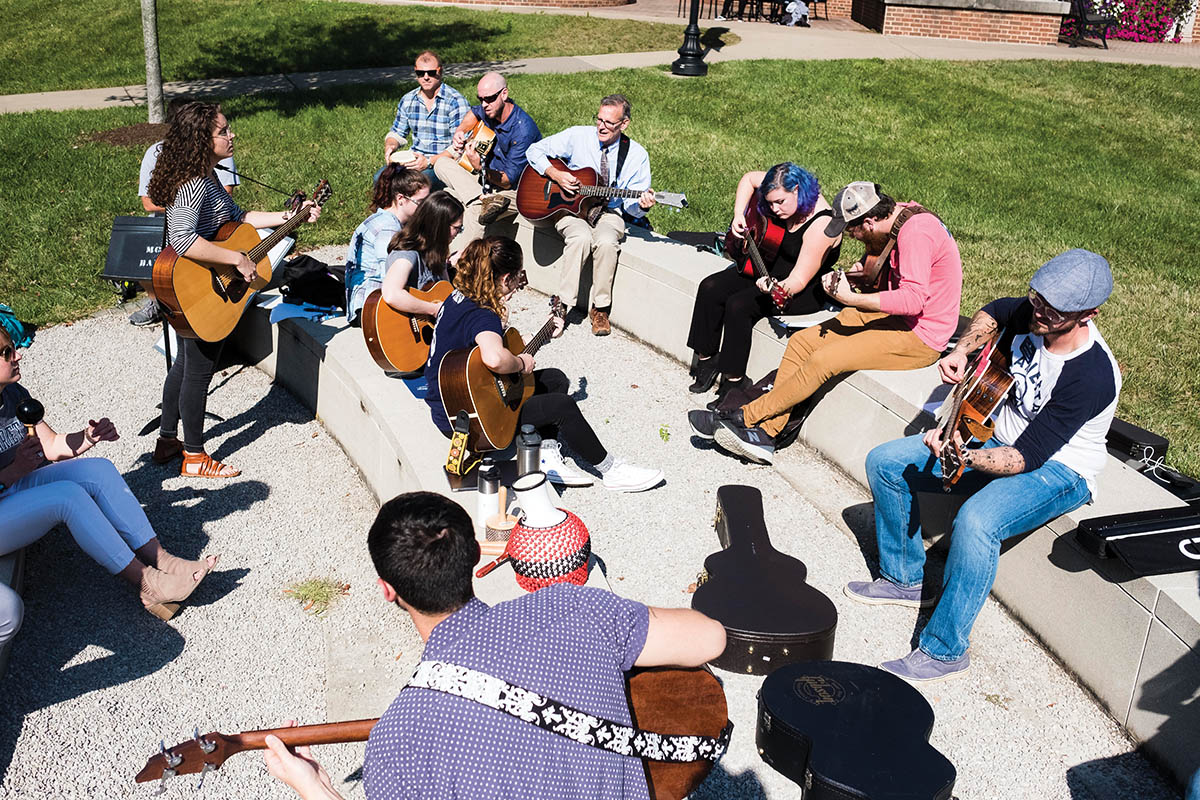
604 167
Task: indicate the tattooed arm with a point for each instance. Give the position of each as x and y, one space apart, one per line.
983 327
995 460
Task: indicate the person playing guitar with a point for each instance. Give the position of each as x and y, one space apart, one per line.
489 272
569 643
786 203
185 184
419 254
1042 461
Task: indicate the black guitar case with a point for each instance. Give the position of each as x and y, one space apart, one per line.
771 616
846 731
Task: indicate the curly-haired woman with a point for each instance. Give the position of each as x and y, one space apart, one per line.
185 184
489 272
729 303
43 484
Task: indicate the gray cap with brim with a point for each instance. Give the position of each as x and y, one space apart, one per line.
1077 280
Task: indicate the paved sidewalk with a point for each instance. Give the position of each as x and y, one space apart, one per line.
825 40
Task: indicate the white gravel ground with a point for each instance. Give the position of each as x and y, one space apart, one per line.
95 682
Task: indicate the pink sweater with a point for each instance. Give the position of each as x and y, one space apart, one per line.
925 282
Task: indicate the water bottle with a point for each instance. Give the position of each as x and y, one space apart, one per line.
487 492
529 451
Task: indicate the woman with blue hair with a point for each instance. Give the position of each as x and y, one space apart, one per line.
729 303
42 484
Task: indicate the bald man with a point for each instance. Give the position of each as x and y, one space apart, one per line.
515 131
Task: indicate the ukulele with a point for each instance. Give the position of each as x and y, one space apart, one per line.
845 731
204 300
762 238
396 340
667 700
492 401
969 407
540 198
771 616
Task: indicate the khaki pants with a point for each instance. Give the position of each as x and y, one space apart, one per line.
465 188
851 341
602 243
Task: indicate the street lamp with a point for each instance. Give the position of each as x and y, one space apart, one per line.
691 56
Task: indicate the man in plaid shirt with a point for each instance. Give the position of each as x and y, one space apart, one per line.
430 112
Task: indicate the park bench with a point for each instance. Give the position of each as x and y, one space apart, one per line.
1085 20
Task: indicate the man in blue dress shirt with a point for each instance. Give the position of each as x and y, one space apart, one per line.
515 130
597 147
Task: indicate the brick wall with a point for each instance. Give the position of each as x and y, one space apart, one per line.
839 8
976 26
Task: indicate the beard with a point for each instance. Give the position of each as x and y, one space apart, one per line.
874 240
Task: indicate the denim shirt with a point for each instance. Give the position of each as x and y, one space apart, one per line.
366 258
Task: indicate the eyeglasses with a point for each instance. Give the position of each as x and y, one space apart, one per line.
456 229
224 133
1046 310
489 98
416 201
602 122
8 353
428 73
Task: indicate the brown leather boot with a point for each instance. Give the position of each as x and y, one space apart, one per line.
162 592
600 324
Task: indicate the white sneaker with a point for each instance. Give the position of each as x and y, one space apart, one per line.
559 471
626 477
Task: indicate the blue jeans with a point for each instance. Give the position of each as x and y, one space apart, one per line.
999 507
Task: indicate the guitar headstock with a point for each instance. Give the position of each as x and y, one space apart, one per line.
672 199
557 309
322 192
201 754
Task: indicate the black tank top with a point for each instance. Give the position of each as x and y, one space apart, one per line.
789 249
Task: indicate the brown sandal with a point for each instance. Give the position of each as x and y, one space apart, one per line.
204 467
166 450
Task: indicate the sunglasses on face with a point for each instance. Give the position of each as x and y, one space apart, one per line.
1045 309
8 353
428 73
489 98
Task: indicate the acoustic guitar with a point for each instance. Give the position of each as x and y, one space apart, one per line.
204 300
874 273
763 236
969 407
668 701
396 340
492 401
771 616
846 731
481 139
539 198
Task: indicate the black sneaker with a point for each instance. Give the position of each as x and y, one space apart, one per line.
706 376
704 423
723 391
148 314
752 444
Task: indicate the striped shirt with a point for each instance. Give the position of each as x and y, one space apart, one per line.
201 207
432 131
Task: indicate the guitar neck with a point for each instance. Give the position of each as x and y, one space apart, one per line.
609 192
540 338
760 269
276 236
304 735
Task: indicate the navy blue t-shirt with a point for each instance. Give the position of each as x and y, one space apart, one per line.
459 321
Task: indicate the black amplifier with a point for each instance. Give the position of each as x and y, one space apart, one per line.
132 248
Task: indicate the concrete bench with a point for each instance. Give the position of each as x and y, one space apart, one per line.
1132 641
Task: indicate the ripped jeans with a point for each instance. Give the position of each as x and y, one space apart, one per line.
999 507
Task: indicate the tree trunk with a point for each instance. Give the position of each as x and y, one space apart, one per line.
154 85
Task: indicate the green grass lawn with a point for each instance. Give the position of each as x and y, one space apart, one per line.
1021 159
65 44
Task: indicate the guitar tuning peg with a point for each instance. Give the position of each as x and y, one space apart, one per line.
172 759
162 782
206 769
203 744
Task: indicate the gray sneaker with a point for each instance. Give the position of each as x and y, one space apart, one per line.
882 592
148 314
916 667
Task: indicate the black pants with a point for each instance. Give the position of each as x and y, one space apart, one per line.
185 391
729 303
556 415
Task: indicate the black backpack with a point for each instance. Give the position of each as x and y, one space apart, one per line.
304 279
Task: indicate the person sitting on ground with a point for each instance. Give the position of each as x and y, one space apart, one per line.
489 273
569 643
419 255
904 325
431 113
618 161
42 485
149 313
395 197
185 183
1042 461
488 192
729 302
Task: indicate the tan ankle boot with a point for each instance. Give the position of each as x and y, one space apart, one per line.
162 592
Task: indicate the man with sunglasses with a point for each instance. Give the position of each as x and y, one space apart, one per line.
487 194
431 113
1042 461
618 161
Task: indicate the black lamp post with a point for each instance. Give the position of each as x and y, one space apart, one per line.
691 61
